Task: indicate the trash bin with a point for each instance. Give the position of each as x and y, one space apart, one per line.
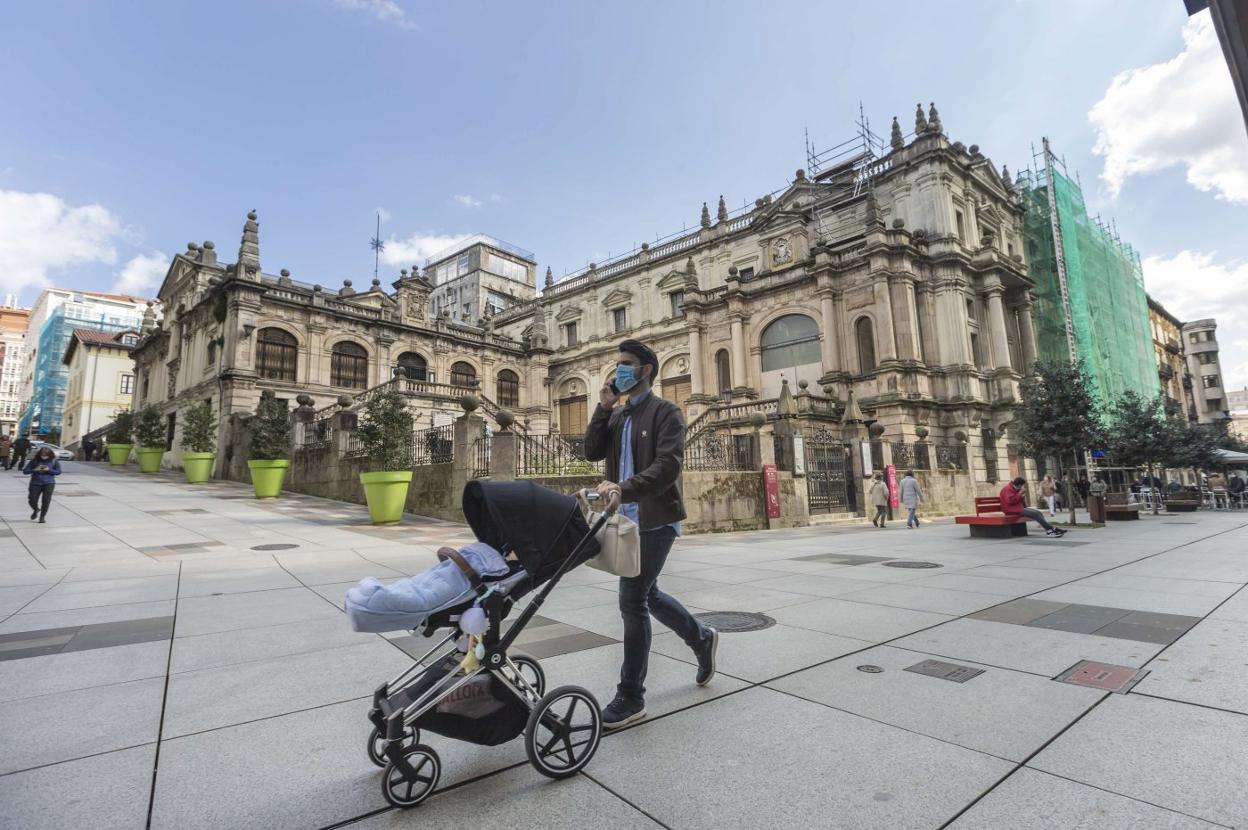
1096 508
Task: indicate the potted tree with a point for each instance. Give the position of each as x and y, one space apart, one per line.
270 446
199 443
385 434
150 431
119 438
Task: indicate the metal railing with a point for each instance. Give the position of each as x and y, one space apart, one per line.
553 455
911 456
315 434
951 457
435 445
481 457
714 450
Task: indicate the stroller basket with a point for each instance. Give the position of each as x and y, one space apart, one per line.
482 711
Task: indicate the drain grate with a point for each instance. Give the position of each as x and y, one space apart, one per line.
945 671
274 546
870 669
1178 523
736 621
1104 676
902 563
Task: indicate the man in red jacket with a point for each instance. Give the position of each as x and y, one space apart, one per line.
1012 504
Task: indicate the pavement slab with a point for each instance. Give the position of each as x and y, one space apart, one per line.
1208 667
110 790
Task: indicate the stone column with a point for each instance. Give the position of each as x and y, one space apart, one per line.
884 315
831 353
503 456
952 326
738 352
999 335
695 360
1026 334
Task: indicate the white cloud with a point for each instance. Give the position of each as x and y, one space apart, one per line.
142 275
466 200
417 248
1192 286
40 233
1179 112
387 11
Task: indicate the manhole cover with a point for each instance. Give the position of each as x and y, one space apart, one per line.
870 669
945 671
901 563
1105 676
736 620
274 546
1178 523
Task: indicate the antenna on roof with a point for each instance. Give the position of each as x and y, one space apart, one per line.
377 245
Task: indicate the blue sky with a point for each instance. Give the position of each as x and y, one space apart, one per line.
576 129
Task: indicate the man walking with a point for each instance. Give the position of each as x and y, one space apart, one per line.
1012 505
879 498
911 498
20 447
5 445
643 443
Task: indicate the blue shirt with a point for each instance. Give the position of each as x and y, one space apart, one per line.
37 477
631 510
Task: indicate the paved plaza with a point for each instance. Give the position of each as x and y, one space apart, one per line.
175 656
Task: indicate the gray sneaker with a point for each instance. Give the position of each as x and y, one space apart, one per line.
621 712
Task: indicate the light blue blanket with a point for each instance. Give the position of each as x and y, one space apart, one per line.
408 602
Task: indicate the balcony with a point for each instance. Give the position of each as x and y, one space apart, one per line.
1173 346
1165 371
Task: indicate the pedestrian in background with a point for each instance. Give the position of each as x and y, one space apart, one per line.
43 470
1048 491
1083 487
879 497
88 450
911 497
20 447
5 446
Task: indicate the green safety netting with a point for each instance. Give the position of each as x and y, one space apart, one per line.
1105 283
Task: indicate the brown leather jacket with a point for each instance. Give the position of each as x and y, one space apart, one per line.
658 453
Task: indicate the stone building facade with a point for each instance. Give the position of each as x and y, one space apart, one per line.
230 331
1172 371
1201 347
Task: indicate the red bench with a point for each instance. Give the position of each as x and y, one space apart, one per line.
989 522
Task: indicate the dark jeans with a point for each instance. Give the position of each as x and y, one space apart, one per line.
19 460
639 598
1036 516
40 492
881 513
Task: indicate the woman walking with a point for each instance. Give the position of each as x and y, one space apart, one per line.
1048 490
911 497
879 497
43 470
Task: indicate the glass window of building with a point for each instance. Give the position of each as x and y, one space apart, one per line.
678 303
506 268
619 317
277 356
348 365
462 374
569 334
723 371
412 366
127 384
864 336
792 340
508 388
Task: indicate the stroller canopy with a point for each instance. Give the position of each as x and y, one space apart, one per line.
540 526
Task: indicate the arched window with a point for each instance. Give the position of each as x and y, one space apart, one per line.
413 366
277 355
462 374
865 337
723 371
348 366
792 340
508 388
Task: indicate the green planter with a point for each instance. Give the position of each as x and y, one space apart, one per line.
267 476
149 458
198 466
119 454
386 493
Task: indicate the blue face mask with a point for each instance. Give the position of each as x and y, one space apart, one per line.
625 377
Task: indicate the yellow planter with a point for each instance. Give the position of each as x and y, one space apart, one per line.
119 454
386 494
267 476
149 458
198 466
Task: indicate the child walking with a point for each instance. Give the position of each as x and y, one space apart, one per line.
43 470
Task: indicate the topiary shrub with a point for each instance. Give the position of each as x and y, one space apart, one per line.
385 431
270 429
122 429
199 433
150 428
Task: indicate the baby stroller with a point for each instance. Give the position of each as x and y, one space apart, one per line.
504 693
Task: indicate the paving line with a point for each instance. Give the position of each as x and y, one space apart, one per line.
164 704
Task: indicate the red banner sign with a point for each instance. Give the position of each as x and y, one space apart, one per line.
771 487
893 495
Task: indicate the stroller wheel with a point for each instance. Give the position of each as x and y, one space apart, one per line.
563 732
377 744
402 791
531 670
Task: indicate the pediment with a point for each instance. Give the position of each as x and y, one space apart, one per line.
674 281
618 297
569 313
990 214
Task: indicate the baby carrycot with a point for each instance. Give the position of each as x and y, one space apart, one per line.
492 695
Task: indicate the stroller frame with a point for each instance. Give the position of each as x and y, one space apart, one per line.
394 742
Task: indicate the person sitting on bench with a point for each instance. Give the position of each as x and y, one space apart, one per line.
1012 505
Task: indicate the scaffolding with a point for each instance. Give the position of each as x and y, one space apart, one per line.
1090 299
46 408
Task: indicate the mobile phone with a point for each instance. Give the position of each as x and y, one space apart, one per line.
615 389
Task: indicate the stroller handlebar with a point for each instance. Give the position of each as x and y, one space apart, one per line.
613 501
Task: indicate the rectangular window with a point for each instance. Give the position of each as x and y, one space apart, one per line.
506 268
569 334
1191 338
1210 381
678 303
127 384
619 317
745 274
957 214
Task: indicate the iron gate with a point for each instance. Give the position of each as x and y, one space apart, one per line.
829 474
